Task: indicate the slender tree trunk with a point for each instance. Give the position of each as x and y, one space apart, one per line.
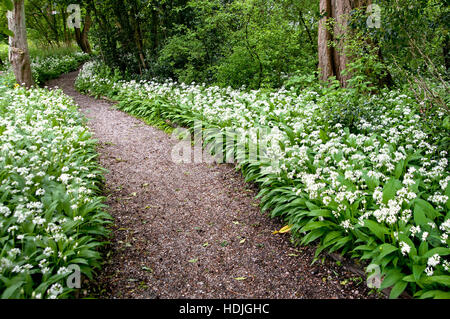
307 30
85 33
18 45
64 24
136 24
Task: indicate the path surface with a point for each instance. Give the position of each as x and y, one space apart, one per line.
180 228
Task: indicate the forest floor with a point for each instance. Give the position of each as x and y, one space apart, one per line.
192 230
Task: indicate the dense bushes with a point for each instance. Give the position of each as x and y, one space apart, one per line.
47 68
51 217
253 43
375 187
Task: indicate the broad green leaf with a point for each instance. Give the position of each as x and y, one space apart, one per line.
399 169
426 208
436 294
441 251
398 288
392 277
390 189
9 292
316 224
378 230
386 249
442 280
320 212
423 248
418 271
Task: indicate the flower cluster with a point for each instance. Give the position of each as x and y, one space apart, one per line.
50 215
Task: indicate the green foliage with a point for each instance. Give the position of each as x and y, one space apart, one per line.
374 185
46 64
51 67
51 217
231 43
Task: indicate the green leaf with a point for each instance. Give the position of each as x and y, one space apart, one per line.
11 290
390 189
320 212
418 271
398 288
8 4
6 31
377 229
443 280
386 249
436 294
409 278
419 216
316 224
392 277
441 251
423 248
313 235
425 208
399 169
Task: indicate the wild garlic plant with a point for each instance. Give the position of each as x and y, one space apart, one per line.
47 68
51 216
378 190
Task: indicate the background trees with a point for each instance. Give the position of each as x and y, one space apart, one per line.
258 43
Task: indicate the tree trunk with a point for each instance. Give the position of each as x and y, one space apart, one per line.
18 45
334 59
326 55
81 36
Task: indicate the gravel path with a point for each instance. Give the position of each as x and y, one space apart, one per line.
191 230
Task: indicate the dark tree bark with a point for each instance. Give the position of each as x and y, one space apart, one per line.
81 35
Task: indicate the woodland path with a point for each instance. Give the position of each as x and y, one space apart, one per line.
179 229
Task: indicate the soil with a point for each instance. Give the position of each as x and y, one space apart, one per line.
192 230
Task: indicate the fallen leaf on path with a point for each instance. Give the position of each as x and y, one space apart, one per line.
240 278
283 230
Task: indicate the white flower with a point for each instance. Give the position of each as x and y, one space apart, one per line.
434 260
48 251
414 230
404 247
54 291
